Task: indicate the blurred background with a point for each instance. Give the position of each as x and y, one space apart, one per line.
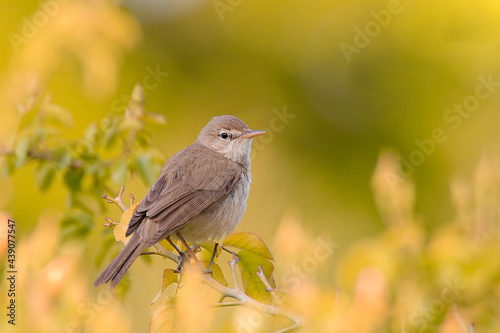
334 83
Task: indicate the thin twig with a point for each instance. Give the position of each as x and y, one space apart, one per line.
232 264
236 293
260 274
166 253
227 304
246 300
158 253
118 200
458 318
42 155
110 222
337 294
227 250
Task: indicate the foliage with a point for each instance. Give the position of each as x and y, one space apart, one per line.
420 274
405 279
110 151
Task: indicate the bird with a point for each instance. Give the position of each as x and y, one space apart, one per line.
200 194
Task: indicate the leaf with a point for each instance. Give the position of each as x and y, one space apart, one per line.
59 114
249 264
63 157
76 224
73 179
105 247
109 138
207 248
8 165
217 273
122 227
45 174
21 151
250 242
162 315
156 118
169 277
119 172
147 168
167 245
86 202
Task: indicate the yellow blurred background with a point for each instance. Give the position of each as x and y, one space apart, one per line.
334 83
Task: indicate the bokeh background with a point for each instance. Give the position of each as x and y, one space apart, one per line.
334 83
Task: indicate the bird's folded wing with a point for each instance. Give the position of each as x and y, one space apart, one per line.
177 197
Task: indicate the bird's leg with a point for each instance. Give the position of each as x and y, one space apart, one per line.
209 270
191 253
182 255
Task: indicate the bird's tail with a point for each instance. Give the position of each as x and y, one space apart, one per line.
119 266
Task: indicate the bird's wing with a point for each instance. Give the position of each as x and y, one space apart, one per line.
191 181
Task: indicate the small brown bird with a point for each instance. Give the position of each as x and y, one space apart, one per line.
201 194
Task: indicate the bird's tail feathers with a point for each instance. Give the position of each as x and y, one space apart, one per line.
119 266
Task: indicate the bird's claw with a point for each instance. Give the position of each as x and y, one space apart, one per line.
182 257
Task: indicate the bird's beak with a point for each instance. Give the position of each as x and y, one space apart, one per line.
252 134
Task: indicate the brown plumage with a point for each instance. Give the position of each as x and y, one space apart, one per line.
201 193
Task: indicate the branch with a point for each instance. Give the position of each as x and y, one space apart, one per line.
42 155
232 264
245 300
236 293
260 274
118 200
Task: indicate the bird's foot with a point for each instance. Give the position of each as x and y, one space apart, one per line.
182 256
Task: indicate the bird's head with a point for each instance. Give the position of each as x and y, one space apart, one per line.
230 137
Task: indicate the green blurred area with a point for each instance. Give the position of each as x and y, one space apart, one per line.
259 60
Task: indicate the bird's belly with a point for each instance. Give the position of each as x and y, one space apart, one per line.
220 220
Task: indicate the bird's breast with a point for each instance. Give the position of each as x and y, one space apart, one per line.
220 220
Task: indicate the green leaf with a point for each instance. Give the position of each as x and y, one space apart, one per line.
63 157
86 201
76 224
73 179
109 138
8 165
21 151
45 174
217 273
104 249
169 277
207 248
249 264
119 172
143 140
59 114
250 242
147 168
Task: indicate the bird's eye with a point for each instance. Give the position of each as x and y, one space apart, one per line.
224 135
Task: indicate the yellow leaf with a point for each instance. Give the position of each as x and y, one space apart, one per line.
121 229
250 242
162 315
169 277
249 264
